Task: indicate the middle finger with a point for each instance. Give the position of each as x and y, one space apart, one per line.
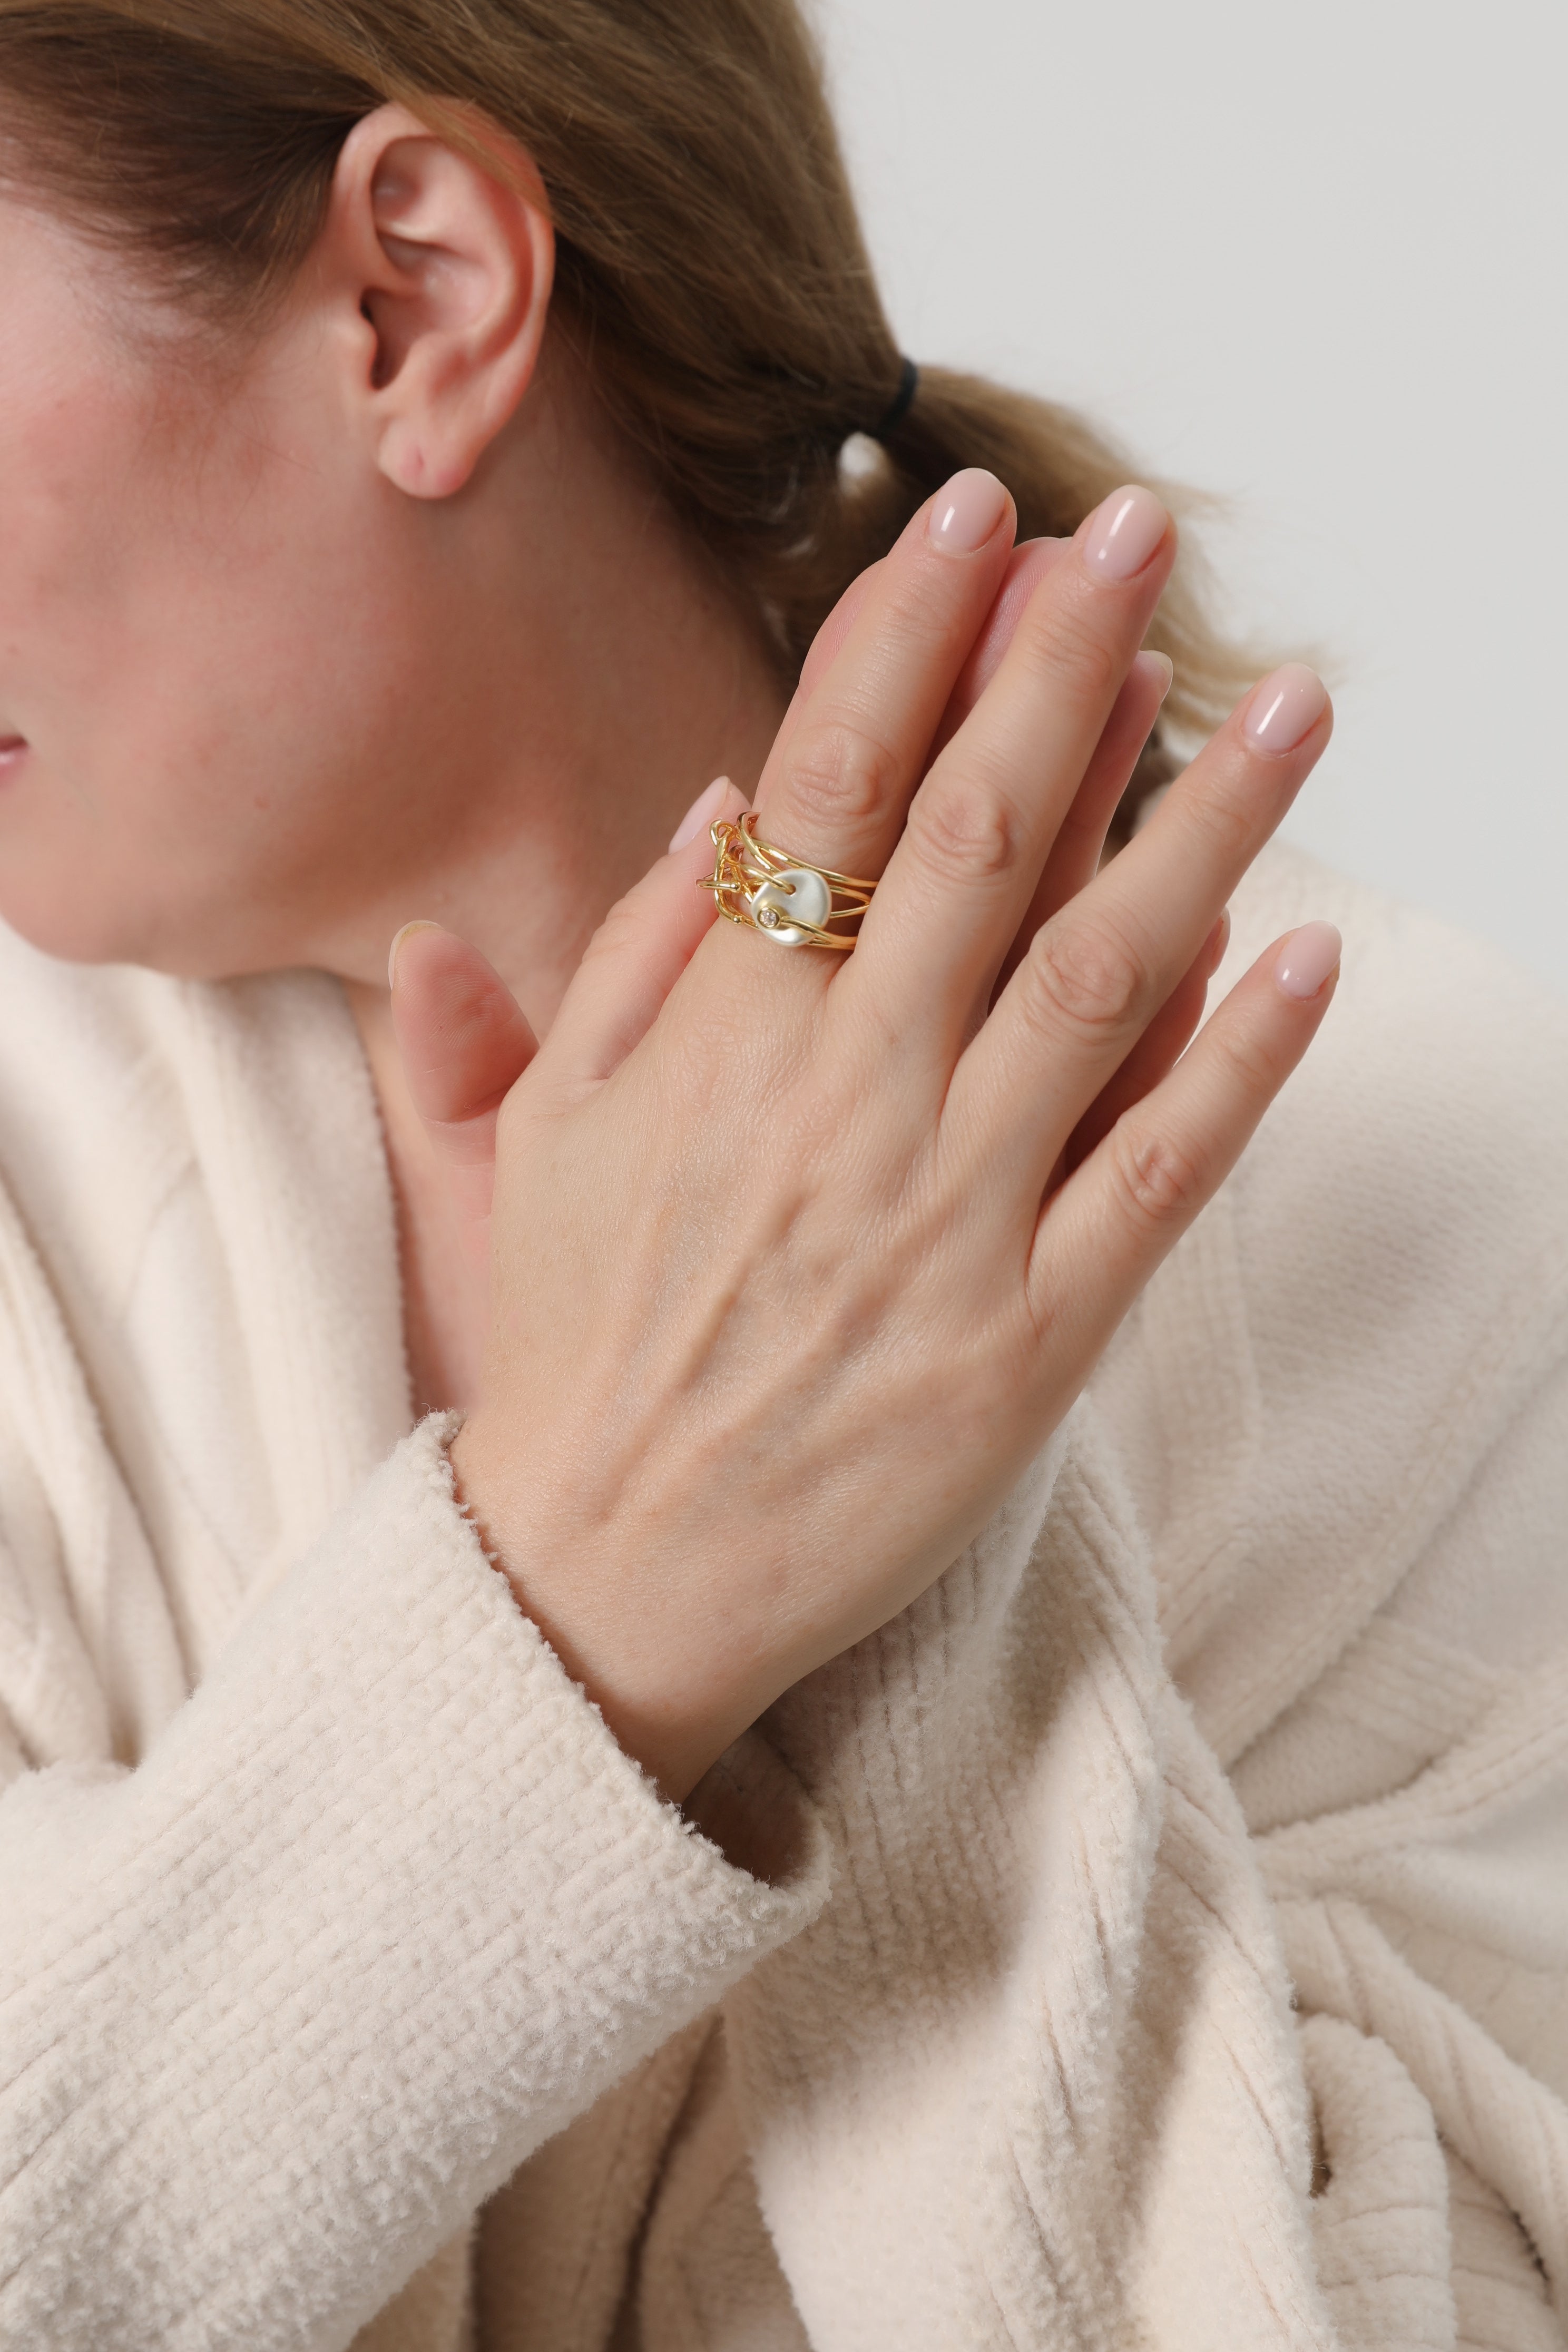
1097 975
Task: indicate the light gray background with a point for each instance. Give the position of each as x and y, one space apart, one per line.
1310 258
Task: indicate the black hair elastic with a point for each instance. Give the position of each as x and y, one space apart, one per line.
898 408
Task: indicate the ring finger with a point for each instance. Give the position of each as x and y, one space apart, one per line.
1097 974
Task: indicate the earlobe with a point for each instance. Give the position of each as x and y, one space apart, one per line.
454 265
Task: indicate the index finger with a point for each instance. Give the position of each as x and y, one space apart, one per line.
838 781
1026 567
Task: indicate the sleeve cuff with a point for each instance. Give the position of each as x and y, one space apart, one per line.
385 1908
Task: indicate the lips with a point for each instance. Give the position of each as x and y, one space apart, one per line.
11 748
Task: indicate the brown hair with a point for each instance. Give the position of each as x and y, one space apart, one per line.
712 269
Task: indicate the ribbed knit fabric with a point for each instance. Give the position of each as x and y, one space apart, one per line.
351 1979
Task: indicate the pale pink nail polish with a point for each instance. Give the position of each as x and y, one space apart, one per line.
965 514
1284 708
1307 959
703 810
1124 533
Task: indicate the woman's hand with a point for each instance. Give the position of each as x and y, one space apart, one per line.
797 1260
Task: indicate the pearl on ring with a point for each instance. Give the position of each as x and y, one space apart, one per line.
758 884
795 891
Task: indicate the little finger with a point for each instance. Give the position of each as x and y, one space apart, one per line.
1101 1237
1097 973
1157 1052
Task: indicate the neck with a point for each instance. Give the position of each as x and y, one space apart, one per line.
638 680
577 768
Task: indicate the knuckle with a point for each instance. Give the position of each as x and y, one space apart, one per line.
965 832
1074 652
1160 1184
618 929
1081 976
508 1118
839 775
1228 825
1247 1058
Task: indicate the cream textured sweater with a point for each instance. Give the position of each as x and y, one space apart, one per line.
352 1979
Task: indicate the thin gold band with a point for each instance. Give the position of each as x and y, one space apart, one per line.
790 901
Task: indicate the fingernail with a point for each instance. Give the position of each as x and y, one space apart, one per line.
1307 959
965 513
1123 533
703 809
1219 939
1284 708
1157 666
398 937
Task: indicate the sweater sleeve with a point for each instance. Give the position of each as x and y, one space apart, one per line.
383 1907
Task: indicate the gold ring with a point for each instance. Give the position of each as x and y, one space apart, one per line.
792 903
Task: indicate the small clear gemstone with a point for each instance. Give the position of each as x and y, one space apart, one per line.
768 917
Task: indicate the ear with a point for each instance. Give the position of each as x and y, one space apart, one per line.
449 269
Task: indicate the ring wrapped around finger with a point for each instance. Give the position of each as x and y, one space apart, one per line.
790 902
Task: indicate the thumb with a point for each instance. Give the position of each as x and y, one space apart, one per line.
464 1044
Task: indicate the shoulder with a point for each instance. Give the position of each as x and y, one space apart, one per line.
1420 1147
1435 1038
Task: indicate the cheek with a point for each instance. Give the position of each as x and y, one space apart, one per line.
75 598
157 587
63 486
203 641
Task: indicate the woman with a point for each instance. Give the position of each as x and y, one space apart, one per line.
787 1810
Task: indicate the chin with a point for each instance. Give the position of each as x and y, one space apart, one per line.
101 910
90 893
73 915
185 944
70 933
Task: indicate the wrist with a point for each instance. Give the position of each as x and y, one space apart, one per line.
675 1725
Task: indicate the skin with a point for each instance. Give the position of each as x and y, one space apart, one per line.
369 620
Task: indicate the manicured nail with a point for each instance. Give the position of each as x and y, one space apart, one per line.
1124 533
1307 959
420 925
1159 667
1284 708
965 513
703 809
